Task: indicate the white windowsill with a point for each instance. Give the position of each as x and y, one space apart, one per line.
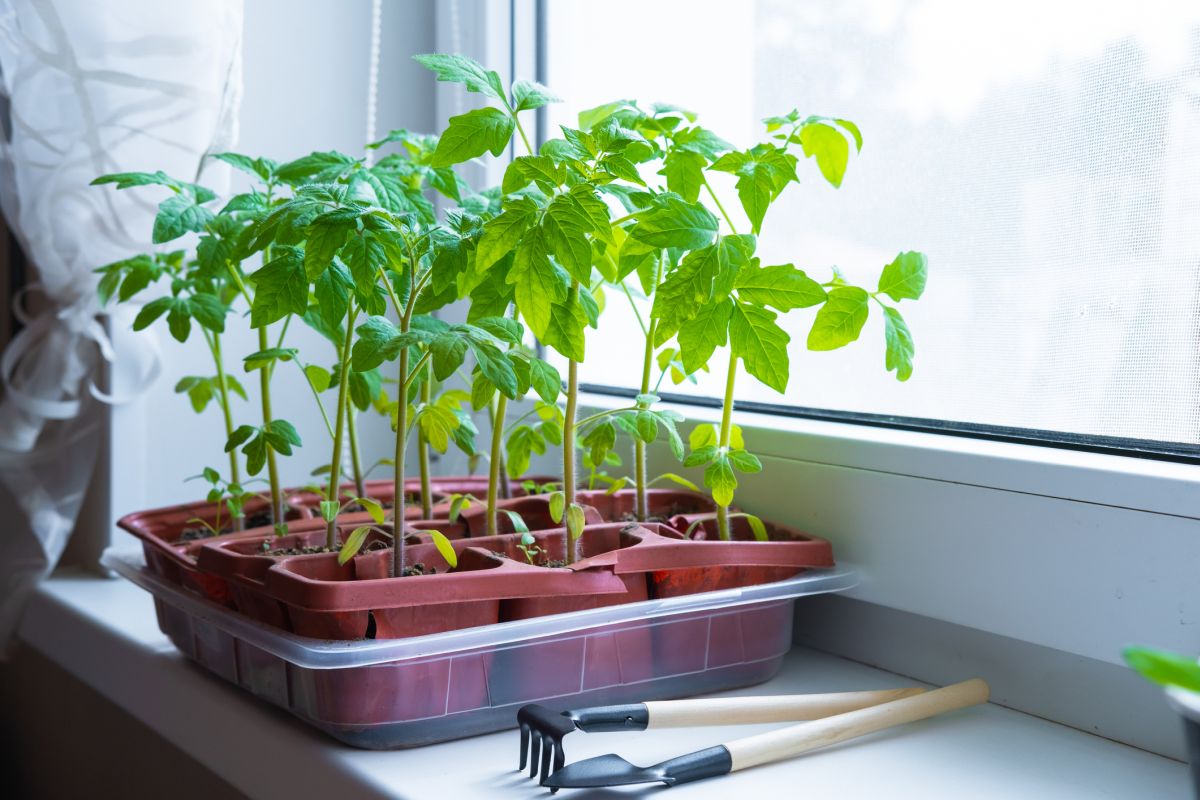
104 632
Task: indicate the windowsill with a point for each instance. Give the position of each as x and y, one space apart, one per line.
104 632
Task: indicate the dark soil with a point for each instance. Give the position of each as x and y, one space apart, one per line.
259 520
554 563
299 551
631 517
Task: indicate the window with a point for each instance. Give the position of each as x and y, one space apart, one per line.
1050 170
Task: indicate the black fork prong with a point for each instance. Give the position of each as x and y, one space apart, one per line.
535 751
548 744
524 746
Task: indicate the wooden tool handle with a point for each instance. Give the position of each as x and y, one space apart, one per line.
797 739
779 708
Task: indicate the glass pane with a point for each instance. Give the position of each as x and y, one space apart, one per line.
1046 157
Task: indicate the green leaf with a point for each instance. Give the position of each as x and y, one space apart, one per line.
269 356
684 172
258 167
782 287
353 543
482 392
496 367
326 235
744 462
904 278
558 504
528 95
281 435
467 71
318 377
152 311
755 337
239 436
280 288
840 320
502 233
518 522
437 425
701 455
457 503
330 509
1163 668
565 227
676 223
316 167
719 478
757 527
828 146
679 479
127 180
470 135
539 284
543 170
576 520
444 548
177 215
600 439
545 380
372 507
703 435
900 348
700 336
564 331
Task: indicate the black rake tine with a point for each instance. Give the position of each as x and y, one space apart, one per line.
535 751
560 757
524 746
547 745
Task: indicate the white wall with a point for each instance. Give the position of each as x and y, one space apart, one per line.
305 76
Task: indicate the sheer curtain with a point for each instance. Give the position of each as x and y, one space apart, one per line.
88 88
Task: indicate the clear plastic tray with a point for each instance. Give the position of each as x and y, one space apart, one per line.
389 693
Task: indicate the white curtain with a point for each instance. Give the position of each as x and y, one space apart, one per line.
88 88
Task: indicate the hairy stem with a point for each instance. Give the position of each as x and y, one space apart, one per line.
360 482
264 384
235 476
423 448
569 448
723 441
335 462
398 479
642 509
496 470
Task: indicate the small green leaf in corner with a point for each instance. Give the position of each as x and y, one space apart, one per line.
329 510
372 507
1163 668
518 522
757 526
575 521
444 548
353 544
558 504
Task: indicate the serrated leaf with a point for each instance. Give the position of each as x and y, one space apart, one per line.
472 134
757 339
700 336
743 461
467 71
539 284
280 288
840 320
528 95
684 171
721 480
177 215
264 358
782 287
676 223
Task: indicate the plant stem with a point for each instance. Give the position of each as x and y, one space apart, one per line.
264 383
720 207
569 449
360 483
214 344
335 463
723 441
496 464
642 508
398 457
423 448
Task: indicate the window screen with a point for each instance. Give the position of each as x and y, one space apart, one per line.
1046 157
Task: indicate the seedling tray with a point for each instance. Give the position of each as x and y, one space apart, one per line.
396 693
